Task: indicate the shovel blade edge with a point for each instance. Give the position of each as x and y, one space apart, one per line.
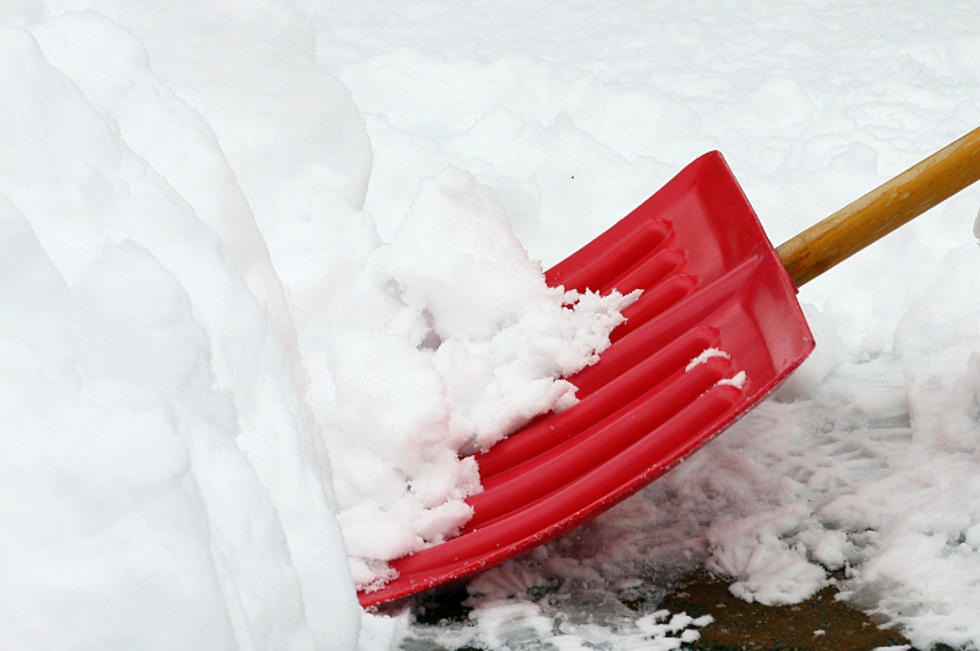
711 281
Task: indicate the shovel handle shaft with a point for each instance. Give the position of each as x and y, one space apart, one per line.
882 210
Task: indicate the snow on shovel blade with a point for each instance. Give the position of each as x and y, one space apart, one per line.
716 330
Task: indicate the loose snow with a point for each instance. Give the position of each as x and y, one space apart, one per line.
268 268
459 343
704 356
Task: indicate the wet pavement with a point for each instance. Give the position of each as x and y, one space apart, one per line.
822 622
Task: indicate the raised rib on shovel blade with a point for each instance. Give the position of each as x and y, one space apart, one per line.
710 280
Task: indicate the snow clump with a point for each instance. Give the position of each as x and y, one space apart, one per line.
474 348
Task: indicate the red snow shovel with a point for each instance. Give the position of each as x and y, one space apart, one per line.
716 330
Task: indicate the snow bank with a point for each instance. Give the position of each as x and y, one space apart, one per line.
196 308
156 490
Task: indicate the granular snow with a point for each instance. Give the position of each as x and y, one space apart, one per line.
465 344
243 245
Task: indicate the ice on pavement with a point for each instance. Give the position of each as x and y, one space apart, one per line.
268 267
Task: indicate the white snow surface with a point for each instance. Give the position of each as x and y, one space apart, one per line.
267 267
173 391
459 342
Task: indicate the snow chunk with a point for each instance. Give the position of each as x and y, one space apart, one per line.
737 380
475 347
705 355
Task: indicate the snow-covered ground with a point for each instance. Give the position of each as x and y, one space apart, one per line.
259 283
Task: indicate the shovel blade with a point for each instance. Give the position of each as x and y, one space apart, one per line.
715 331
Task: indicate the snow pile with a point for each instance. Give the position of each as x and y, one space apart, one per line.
451 341
166 419
153 489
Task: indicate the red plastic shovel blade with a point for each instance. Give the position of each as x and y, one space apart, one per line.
711 280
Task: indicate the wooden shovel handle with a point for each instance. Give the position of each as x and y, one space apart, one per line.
882 210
